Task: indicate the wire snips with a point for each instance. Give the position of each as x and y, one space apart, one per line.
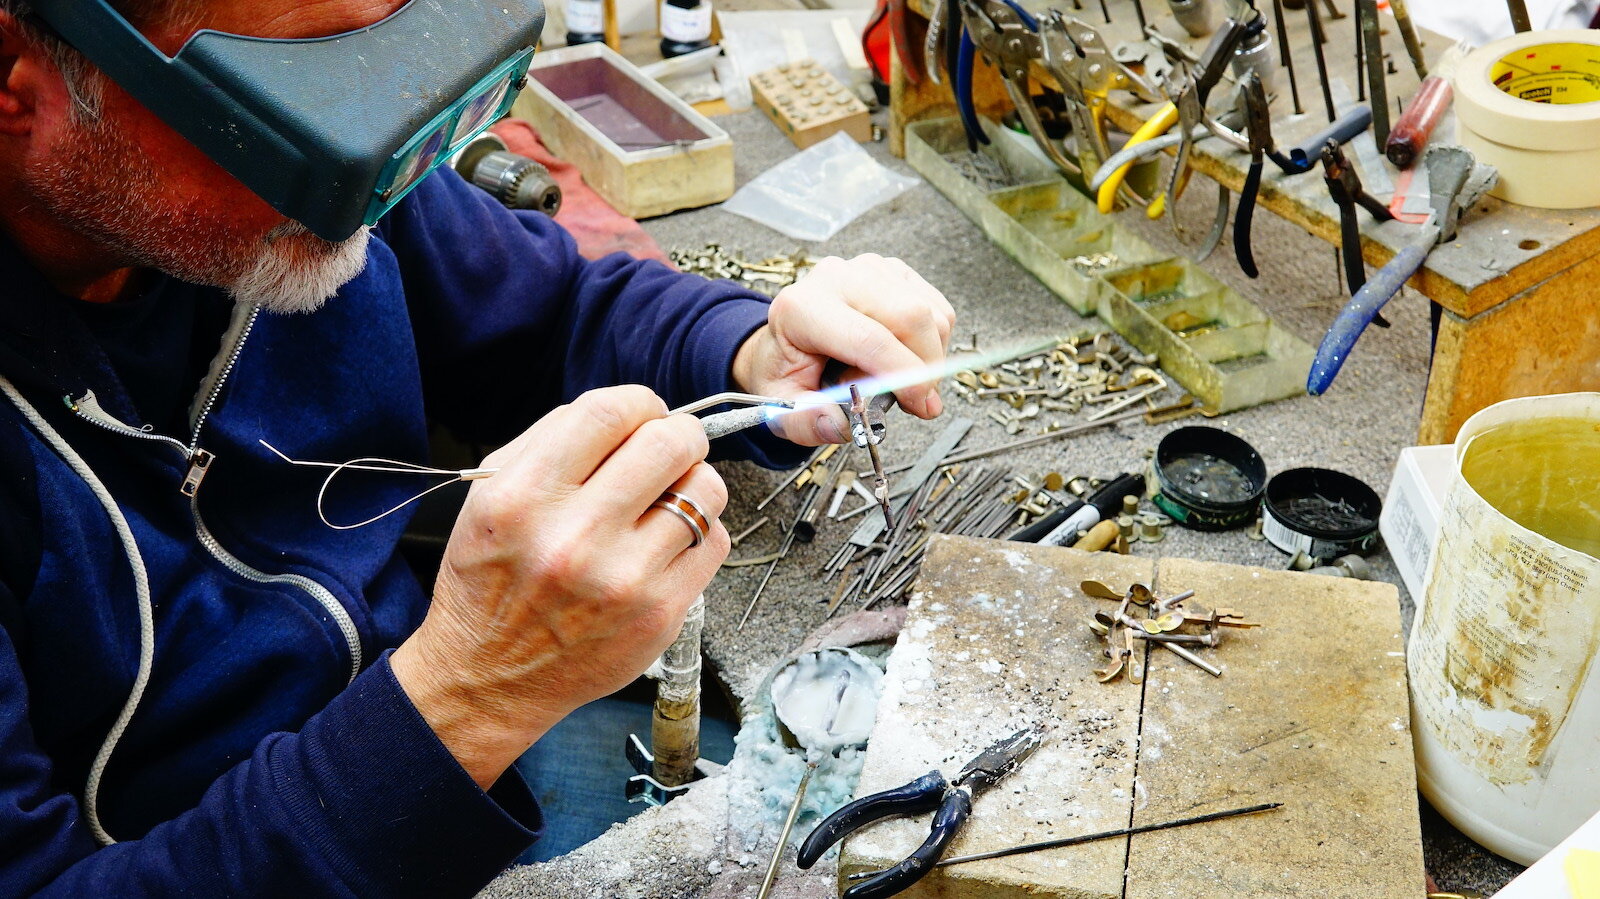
949 800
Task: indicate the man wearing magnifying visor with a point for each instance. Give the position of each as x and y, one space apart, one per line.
218 226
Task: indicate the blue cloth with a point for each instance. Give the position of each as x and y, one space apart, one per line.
578 771
255 765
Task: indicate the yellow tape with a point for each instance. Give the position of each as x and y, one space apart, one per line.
1549 73
1530 106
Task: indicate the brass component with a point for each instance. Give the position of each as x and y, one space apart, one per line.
738 538
1182 320
1098 537
1183 408
1099 590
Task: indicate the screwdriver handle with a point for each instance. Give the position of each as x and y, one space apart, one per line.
1363 308
1416 123
1303 156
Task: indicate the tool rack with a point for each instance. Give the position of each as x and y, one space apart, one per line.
1519 315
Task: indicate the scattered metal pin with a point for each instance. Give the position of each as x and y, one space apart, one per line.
738 538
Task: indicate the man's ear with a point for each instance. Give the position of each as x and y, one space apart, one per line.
23 70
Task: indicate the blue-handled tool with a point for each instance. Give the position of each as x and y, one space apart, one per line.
1008 36
1303 157
949 800
965 57
1449 171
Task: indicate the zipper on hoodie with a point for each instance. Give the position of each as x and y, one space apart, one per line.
89 409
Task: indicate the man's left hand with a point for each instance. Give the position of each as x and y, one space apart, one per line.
873 314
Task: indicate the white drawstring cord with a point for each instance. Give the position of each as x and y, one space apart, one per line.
388 466
141 586
396 466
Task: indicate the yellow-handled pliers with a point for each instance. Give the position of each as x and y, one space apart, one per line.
1156 125
1187 95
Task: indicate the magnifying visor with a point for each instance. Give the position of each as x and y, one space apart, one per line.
331 131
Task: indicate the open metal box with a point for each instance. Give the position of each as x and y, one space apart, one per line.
1222 348
1024 205
641 148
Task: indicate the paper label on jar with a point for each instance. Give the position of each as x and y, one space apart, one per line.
585 17
1509 628
686 25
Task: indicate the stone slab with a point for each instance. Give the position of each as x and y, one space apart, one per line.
1311 711
995 640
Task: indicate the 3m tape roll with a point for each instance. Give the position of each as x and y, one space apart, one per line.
1530 106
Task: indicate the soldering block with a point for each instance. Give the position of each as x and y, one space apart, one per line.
995 640
1311 711
809 104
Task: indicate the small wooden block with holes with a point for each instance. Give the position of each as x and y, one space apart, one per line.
809 104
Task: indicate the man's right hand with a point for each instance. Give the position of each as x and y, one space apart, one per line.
560 583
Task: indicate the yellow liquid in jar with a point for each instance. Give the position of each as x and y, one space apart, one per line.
1544 474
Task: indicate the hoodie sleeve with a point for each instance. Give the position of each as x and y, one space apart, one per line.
511 321
363 801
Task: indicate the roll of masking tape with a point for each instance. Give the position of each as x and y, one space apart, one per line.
1530 106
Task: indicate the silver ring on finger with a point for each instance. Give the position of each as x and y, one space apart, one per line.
688 511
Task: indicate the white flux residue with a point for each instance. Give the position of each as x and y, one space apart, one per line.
764 773
828 699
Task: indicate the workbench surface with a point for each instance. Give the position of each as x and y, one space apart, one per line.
1358 427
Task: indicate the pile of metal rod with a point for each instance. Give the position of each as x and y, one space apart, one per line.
1097 378
970 501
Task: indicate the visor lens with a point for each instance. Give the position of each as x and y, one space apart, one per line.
463 120
418 162
480 113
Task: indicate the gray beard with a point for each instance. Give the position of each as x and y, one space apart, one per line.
97 182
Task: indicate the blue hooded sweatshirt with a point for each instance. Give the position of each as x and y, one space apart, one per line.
272 752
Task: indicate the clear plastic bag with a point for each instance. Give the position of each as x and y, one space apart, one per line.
814 193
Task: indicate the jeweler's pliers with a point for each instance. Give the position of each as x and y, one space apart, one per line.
1081 63
949 800
1188 95
1008 36
1258 125
1344 185
1455 182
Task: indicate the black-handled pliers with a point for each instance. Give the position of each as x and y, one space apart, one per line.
949 800
1345 187
1258 125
